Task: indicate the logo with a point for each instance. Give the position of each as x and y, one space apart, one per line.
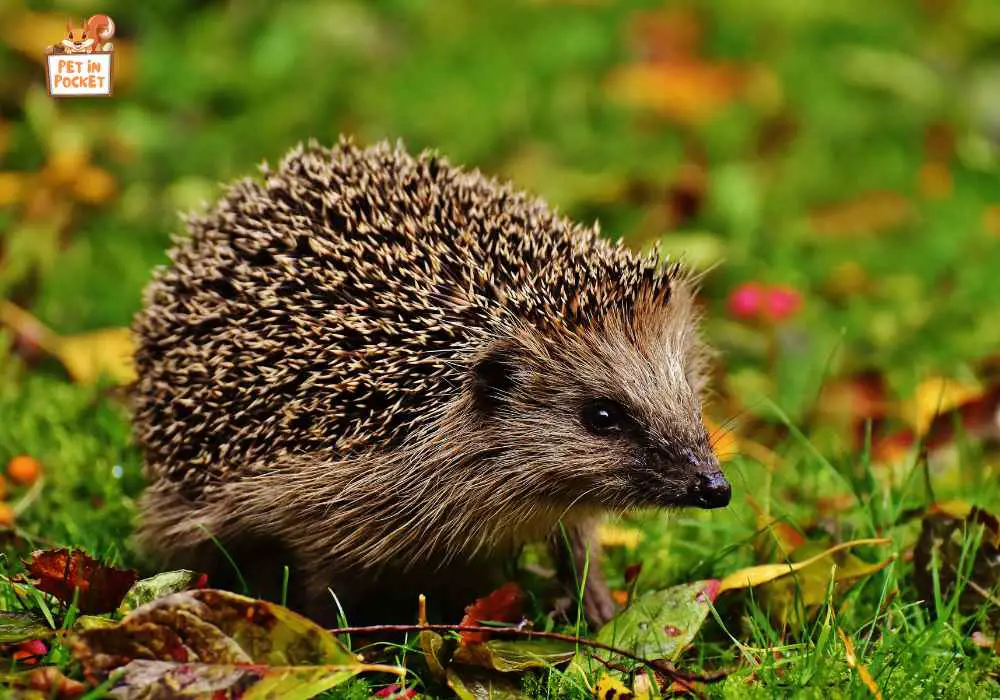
80 65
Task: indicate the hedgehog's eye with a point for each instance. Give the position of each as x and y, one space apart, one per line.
604 417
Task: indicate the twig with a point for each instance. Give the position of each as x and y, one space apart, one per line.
661 665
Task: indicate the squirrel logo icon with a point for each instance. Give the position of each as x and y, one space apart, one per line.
92 37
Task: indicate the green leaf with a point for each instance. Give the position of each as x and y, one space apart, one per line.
18 627
515 655
660 624
435 653
149 589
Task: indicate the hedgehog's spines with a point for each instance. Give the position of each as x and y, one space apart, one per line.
325 307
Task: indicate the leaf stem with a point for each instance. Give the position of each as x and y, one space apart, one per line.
663 666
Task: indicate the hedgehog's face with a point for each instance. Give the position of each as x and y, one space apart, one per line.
603 417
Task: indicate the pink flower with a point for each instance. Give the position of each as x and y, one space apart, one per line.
747 300
782 303
753 301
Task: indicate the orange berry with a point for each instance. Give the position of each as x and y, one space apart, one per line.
6 515
24 470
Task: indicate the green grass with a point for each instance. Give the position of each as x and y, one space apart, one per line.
850 94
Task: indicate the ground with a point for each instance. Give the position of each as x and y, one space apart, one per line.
831 167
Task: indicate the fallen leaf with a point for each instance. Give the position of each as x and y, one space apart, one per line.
149 589
936 396
809 586
684 92
218 641
482 685
74 575
610 688
246 681
17 627
660 624
505 604
88 356
852 661
765 573
515 655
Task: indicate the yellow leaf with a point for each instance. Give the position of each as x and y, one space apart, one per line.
765 573
960 510
87 356
611 535
610 688
936 395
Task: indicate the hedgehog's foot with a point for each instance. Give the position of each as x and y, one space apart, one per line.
574 553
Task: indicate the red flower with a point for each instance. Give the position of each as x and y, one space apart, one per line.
782 303
747 300
753 301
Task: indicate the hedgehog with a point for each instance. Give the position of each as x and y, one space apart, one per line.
389 374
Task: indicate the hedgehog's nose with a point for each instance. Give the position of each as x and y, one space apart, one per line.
711 490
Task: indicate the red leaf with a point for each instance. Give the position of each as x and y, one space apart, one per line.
63 573
505 604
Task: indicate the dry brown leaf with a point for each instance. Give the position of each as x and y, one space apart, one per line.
505 604
75 576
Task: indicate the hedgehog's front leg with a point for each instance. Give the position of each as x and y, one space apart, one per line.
576 550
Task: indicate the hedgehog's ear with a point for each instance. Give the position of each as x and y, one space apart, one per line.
493 377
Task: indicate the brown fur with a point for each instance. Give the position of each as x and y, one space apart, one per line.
372 367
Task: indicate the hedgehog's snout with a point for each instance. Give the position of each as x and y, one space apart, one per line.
709 487
710 490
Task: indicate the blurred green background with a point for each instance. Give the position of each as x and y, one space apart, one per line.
847 152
